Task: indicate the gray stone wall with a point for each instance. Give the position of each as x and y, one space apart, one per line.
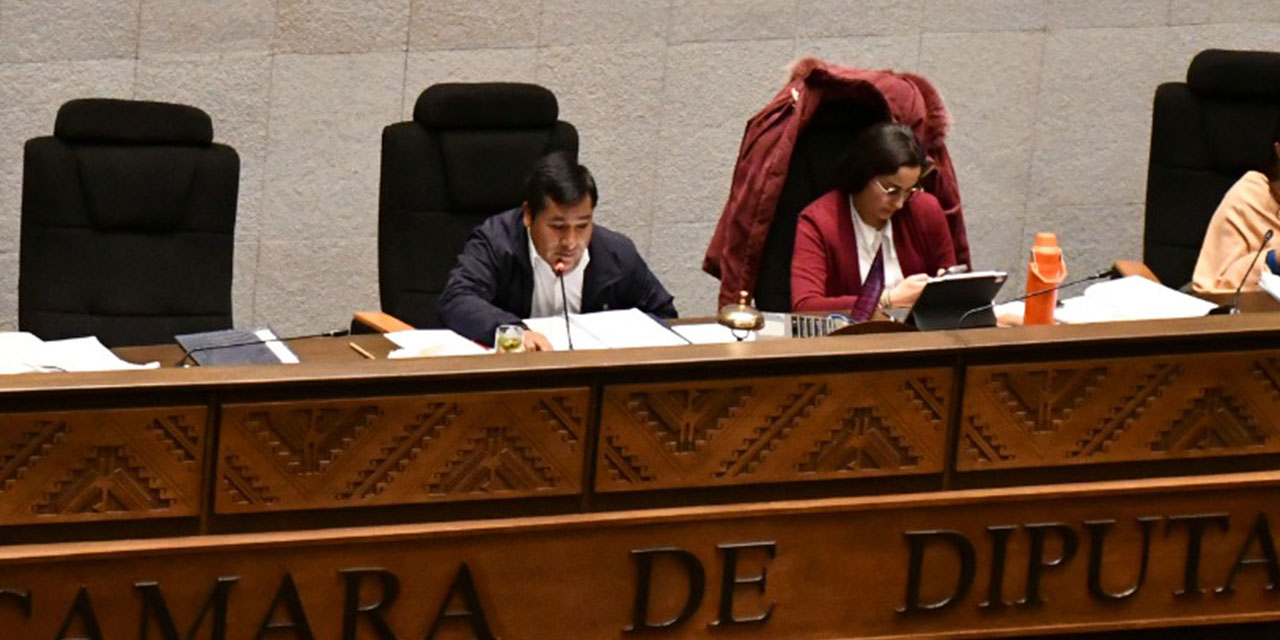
1050 99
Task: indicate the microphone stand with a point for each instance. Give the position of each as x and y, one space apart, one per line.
1234 307
1106 273
564 300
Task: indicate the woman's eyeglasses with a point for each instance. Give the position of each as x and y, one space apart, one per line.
894 192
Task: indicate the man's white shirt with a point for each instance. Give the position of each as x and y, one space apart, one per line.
546 286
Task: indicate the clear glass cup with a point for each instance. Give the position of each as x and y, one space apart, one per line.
508 338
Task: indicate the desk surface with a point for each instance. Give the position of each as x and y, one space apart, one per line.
330 359
579 461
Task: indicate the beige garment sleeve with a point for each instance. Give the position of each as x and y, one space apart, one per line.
1234 236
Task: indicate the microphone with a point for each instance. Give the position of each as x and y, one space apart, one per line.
187 354
1234 308
560 268
1223 310
1105 273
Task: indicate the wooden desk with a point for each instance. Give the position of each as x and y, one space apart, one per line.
1250 301
927 472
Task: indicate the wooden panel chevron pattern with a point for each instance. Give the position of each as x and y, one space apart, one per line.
122 464
703 434
400 450
1120 410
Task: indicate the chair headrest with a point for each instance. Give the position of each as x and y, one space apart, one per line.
1236 73
108 120
486 105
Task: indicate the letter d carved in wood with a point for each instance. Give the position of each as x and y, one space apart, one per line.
918 541
644 583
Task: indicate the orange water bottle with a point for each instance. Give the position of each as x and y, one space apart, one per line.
1046 270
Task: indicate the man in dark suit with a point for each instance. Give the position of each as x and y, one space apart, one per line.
511 265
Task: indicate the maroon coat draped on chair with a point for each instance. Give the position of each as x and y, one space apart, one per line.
738 243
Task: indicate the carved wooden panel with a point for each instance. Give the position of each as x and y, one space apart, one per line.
926 566
378 451
1151 408
100 465
693 434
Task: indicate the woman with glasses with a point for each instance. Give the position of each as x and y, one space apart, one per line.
874 241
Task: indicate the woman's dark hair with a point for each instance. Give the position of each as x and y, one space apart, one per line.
879 150
558 178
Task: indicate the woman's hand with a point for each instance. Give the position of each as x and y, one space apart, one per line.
904 294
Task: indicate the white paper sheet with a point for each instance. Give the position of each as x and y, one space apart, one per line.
422 343
79 354
553 328
278 349
627 328
620 329
15 347
1131 298
1270 283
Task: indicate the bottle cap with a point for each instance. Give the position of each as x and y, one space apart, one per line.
1046 239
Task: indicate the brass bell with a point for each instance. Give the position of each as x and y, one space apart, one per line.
740 318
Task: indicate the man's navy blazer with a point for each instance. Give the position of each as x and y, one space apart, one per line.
492 283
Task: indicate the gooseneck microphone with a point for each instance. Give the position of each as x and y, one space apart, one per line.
1105 273
1234 307
560 268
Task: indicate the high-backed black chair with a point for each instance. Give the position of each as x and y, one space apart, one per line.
128 222
462 159
817 155
1205 133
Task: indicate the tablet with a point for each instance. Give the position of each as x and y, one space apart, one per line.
949 300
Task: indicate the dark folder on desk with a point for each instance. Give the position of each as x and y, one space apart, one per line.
947 301
228 347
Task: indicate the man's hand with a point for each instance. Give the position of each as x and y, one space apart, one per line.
906 292
534 341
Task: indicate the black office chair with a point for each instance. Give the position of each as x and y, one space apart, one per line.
817 155
128 223
1205 133
462 159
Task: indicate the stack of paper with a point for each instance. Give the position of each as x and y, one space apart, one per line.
421 343
606 330
1270 283
1131 298
22 352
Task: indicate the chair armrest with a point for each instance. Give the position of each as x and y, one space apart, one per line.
1128 268
379 322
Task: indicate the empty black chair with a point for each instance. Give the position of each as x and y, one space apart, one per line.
1205 133
128 222
462 159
